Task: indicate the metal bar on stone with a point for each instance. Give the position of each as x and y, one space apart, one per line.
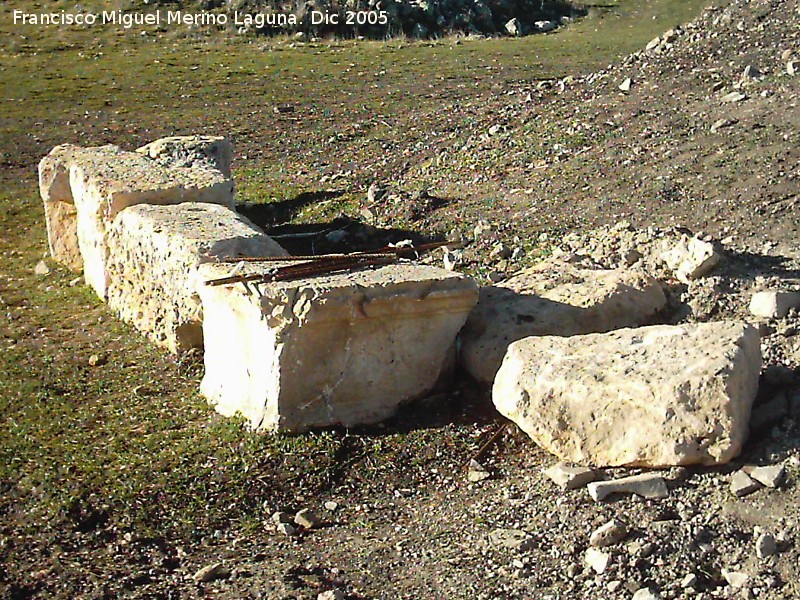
307 269
385 251
318 257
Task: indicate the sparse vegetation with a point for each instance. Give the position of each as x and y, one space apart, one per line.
128 446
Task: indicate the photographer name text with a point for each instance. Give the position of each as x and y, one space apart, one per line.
129 20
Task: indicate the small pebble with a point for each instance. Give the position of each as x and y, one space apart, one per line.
211 572
281 517
306 518
609 534
285 528
766 545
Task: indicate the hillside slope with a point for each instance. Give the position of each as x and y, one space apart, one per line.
677 147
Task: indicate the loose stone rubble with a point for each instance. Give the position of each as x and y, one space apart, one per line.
554 298
655 396
691 258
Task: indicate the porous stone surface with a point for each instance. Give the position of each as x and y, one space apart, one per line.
654 396
336 349
192 151
153 255
554 298
100 182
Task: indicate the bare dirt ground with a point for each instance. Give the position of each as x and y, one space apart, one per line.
401 520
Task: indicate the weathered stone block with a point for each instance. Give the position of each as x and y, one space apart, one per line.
336 349
152 267
655 396
103 181
59 208
774 304
554 298
192 151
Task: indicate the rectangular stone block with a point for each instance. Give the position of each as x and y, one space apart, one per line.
655 396
152 266
338 349
554 298
99 183
59 208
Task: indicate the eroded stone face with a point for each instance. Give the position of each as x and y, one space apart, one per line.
555 298
153 257
654 396
341 349
192 151
99 183
59 207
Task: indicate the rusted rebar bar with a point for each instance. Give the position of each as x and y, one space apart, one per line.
312 266
306 269
385 251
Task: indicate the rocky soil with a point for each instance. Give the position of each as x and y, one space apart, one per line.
700 130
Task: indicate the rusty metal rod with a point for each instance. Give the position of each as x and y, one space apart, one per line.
385 251
307 269
319 257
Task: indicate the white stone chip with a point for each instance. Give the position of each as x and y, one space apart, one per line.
597 560
570 478
647 485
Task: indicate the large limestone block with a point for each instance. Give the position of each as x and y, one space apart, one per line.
153 257
102 182
192 151
59 208
554 298
655 396
337 349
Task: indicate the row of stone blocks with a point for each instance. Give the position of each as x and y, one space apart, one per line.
148 228
562 342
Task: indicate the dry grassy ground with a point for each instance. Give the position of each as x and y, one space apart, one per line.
118 481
